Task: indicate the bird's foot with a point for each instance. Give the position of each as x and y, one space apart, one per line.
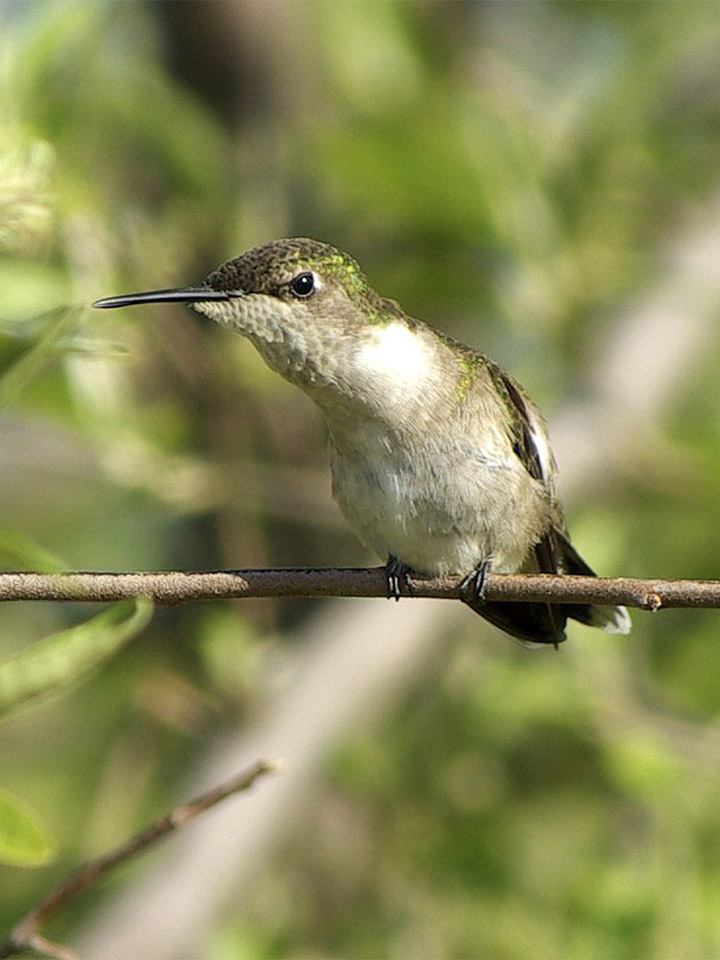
472 588
397 574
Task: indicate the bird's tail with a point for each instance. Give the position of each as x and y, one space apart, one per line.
607 618
535 624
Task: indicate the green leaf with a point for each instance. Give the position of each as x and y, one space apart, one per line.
57 661
93 347
20 552
42 352
24 842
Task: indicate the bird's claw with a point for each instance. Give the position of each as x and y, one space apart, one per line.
473 586
397 574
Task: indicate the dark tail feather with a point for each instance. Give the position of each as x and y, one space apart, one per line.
531 623
543 623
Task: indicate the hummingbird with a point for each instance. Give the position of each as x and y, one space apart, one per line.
440 461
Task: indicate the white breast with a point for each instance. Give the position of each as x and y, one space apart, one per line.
397 356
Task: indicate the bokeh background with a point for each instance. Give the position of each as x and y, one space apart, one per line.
540 180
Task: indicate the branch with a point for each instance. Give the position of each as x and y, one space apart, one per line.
26 936
177 587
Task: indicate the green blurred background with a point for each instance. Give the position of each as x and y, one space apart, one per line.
540 180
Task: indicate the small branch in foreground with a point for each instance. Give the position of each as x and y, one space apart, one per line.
25 936
178 587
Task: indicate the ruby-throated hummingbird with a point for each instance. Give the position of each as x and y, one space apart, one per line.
440 461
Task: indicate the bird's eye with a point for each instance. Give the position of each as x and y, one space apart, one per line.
303 285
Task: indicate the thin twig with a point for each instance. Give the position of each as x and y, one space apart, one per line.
25 935
174 587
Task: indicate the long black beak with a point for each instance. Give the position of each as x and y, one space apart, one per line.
180 295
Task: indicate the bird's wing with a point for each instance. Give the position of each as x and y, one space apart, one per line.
528 431
553 553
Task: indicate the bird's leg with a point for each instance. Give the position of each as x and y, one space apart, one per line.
397 574
473 586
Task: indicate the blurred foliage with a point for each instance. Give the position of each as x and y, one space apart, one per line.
515 173
49 666
23 842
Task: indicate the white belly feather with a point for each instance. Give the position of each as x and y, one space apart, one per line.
440 517
438 501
